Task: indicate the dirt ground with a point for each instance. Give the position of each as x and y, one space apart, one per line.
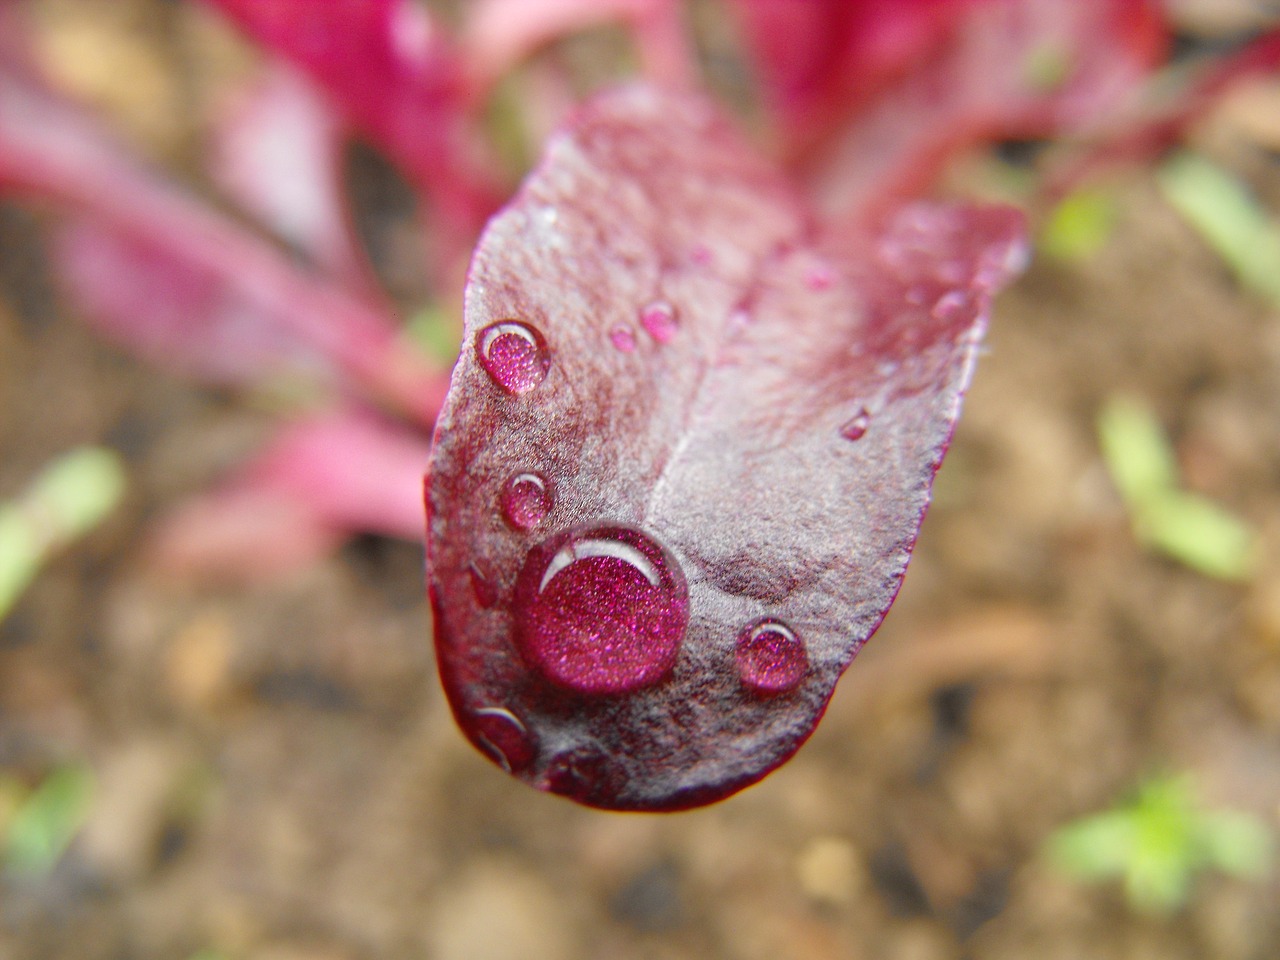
278 777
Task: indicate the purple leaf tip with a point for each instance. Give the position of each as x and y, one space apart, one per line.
685 453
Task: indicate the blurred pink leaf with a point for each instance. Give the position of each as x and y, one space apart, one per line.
820 60
51 150
389 68
277 149
173 312
314 484
686 452
500 33
1009 68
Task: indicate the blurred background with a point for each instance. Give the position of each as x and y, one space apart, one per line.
1062 743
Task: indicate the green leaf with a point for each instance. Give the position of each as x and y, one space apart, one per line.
1136 450
1095 847
1228 217
1238 844
1187 527
1079 226
1157 843
66 500
1199 533
48 820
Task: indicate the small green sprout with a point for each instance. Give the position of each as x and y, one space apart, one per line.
1079 225
71 496
1158 842
1229 219
1184 526
43 823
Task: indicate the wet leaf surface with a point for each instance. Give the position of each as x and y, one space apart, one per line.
733 416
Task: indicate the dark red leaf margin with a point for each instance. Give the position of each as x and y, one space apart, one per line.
703 371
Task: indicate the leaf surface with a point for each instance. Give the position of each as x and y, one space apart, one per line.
685 453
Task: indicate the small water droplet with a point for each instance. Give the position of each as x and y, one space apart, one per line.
917 295
771 658
601 609
819 277
482 585
505 738
739 319
514 355
659 319
622 338
855 428
525 500
950 306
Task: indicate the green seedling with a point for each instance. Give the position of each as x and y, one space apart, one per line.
1158 842
1184 526
43 823
1079 226
1228 217
71 496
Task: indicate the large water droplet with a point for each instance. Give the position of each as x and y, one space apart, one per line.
514 354
622 338
601 609
855 428
659 319
525 500
771 659
504 736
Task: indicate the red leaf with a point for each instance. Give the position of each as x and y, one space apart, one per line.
499 33
51 150
685 453
819 60
277 149
388 67
173 312
1009 68
316 482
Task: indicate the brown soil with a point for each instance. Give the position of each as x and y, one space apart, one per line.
277 775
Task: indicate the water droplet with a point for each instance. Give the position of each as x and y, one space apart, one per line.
504 737
659 319
622 338
514 355
482 586
601 609
855 428
525 500
771 659
819 277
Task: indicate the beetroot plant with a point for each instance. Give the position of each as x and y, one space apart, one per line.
705 381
